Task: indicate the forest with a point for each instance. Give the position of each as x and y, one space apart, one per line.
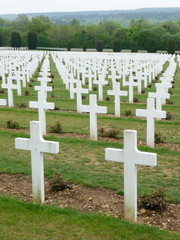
139 32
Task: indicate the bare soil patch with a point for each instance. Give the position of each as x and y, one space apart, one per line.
86 199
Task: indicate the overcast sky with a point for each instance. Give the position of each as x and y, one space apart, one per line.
29 6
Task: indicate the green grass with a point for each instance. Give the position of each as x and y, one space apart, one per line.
27 221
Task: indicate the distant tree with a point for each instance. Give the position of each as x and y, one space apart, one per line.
134 46
68 46
84 46
152 45
116 45
99 44
1 40
171 46
32 40
15 40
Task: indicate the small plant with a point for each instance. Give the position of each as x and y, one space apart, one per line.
83 96
112 132
159 138
22 105
149 85
57 183
135 99
128 112
52 95
51 76
143 91
27 93
170 91
107 98
169 116
32 80
30 85
168 101
12 124
57 128
52 86
56 108
156 201
2 91
95 88
0 78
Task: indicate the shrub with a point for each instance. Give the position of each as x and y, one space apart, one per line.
56 108
169 116
12 124
99 45
52 95
84 46
159 138
116 45
128 112
57 183
27 93
111 132
68 46
135 99
171 46
149 85
30 85
134 46
51 76
156 201
95 88
143 91
57 128
22 105
83 96
168 101
170 91
152 45
2 91
107 98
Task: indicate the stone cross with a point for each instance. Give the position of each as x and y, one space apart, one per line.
117 93
3 102
9 86
151 113
101 82
93 109
37 145
131 84
79 90
159 95
131 157
42 106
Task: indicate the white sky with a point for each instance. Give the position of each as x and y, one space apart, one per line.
29 6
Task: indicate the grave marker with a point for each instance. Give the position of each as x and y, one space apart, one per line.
131 157
37 145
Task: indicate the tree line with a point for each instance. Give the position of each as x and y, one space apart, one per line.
42 32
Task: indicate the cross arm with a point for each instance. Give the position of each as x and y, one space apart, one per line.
33 104
22 143
49 146
141 113
113 154
146 159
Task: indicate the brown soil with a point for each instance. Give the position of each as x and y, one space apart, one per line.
86 199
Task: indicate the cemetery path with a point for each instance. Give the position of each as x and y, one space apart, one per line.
86 199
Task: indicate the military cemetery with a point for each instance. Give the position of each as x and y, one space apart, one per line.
89 138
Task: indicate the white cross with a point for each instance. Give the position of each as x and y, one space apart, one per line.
151 113
131 84
117 93
37 145
79 90
42 106
93 109
43 87
101 82
131 157
159 95
9 86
